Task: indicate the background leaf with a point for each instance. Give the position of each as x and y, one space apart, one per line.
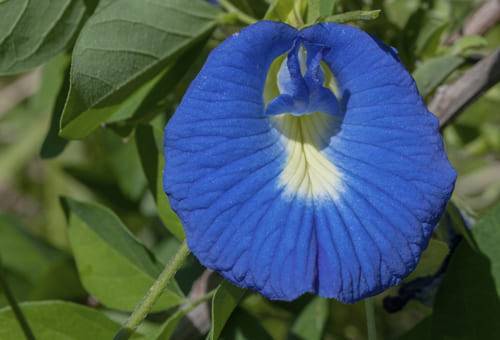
319 8
149 141
430 74
57 320
279 10
431 260
486 234
467 305
32 32
351 16
310 323
225 300
42 272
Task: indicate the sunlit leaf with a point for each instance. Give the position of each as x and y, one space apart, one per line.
108 255
279 10
319 8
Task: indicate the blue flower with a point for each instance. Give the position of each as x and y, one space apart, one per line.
306 161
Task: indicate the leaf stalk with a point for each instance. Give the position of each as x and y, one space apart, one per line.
144 307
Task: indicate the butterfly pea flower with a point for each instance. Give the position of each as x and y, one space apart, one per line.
306 161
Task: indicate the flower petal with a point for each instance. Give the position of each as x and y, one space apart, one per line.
342 205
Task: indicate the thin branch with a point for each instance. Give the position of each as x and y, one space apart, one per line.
452 99
4 286
480 21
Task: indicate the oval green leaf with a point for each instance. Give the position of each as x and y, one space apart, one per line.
58 320
113 265
225 300
433 72
122 46
32 32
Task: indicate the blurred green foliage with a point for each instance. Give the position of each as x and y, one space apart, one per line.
84 97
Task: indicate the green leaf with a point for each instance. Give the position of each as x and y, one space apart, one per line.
38 270
169 326
468 42
433 72
429 37
352 16
54 145
421 331
431 260
122 159
319 8
122 46
467 305
486 234
149 140
225 300
310 323
399 11
113 265
279 10
244 326
25 143
152 97
32 32
57 320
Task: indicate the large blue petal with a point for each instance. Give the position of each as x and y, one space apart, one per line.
285 205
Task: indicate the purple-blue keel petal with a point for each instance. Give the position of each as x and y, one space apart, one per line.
287 199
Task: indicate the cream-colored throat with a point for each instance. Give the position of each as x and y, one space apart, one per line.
308 172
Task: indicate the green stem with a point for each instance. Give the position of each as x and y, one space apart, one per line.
144 307
370 319
242 16
196 302
28 333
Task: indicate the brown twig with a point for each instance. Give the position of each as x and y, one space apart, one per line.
479 22
453 98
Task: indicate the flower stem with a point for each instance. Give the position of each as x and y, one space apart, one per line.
370 319
4 286
144 307
242 16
